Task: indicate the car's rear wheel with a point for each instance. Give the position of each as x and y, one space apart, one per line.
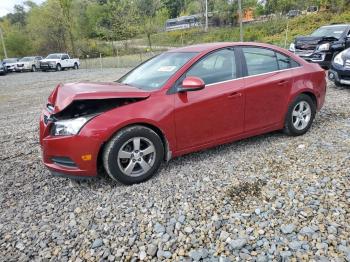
133 155
76 67
301 113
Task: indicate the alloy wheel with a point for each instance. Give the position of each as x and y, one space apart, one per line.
301 115
136 156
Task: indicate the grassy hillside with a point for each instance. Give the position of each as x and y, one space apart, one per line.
273 31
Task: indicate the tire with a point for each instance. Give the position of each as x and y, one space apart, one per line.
338 84
58 67
125 158
300 115
76 66
33 68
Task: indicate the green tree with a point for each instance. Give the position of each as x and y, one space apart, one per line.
66 6
153 24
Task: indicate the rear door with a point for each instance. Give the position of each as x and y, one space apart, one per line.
65 61
216 112
268 83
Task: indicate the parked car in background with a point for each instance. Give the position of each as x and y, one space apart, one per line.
11 64
183 22
3 69
339 72
323 44
29 63
312 9
58 62
293 13
181 101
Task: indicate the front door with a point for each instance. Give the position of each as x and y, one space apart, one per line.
217 111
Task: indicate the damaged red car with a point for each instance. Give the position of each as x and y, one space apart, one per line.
178 102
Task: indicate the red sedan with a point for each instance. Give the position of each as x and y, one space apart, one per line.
179 102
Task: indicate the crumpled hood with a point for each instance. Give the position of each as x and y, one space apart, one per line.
310 42
65 94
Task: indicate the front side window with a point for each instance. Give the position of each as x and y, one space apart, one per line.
216 67
154 73
260 60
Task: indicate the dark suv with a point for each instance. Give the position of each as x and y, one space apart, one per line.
323 44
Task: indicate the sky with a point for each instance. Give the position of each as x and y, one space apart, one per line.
6 6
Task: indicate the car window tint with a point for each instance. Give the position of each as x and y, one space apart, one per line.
65 57
283 61
260 60
216 67
294 64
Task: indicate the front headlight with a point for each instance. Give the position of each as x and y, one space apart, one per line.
338 59
323 47
69 126
292 47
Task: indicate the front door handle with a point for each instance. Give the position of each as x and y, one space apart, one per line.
235 95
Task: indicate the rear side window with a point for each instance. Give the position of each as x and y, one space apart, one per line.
216 67
285 62
260 60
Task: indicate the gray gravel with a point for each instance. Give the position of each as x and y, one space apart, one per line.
270 197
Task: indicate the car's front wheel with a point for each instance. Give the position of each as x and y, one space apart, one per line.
133 155
33 68
301 113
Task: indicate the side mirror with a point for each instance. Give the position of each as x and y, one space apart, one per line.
191 83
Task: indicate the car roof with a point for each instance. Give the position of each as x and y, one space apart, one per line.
336 25
213 46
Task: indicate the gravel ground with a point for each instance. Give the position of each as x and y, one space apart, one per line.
271 197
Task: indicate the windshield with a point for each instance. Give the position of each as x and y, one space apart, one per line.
330 31
53 56
24 59
10 60
155 72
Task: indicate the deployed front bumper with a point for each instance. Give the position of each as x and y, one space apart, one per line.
324 59
68 155
339 75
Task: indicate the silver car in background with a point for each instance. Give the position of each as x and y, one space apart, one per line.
11 64
28 63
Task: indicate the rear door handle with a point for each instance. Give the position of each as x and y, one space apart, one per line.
234 95
283 82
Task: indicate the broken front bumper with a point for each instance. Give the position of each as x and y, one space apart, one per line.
69 156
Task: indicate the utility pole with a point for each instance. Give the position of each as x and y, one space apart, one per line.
3 43
240 20
206 16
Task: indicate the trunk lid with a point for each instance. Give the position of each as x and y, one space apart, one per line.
64 95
